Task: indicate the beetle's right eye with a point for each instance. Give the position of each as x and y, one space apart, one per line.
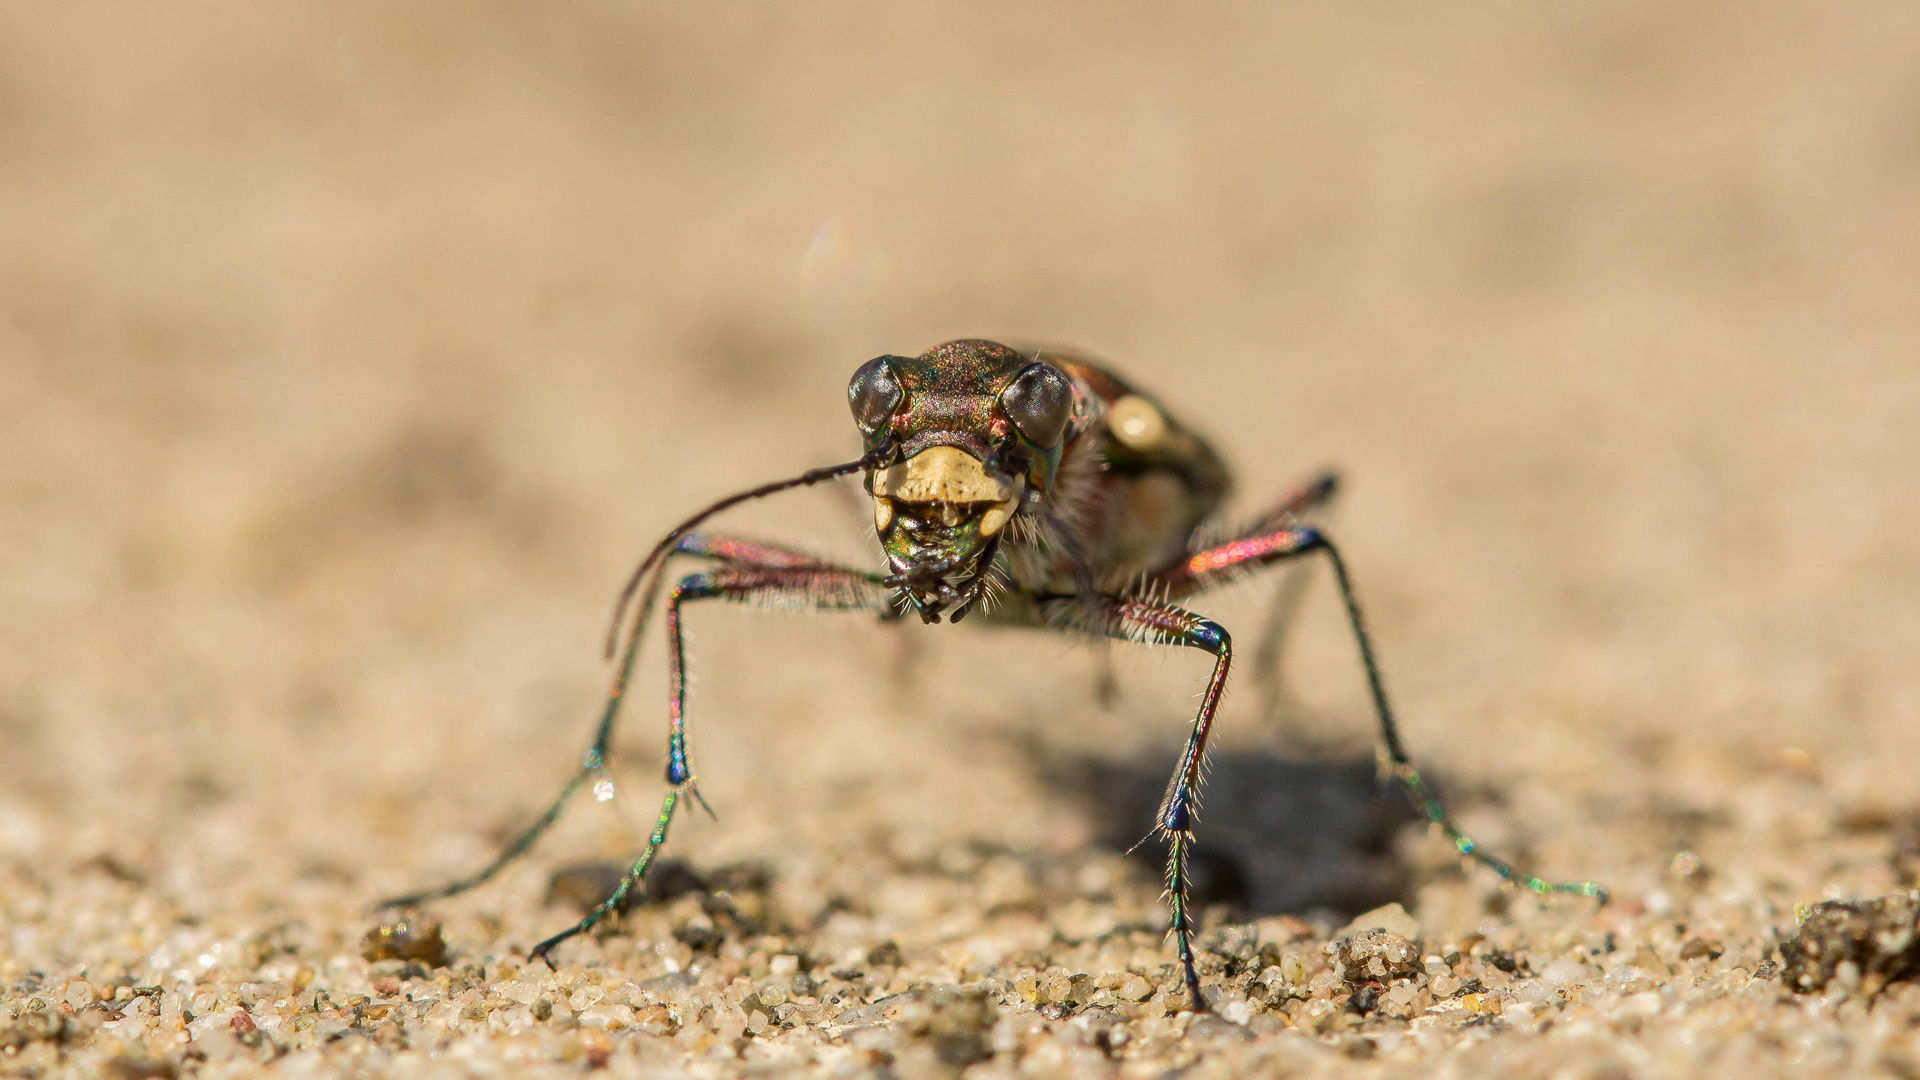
874 394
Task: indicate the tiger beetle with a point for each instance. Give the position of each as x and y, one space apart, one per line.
1040 490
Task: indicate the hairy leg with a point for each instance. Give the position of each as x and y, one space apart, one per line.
1205 569
805 587
730 551
1143 621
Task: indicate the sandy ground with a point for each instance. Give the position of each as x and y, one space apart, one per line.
350 353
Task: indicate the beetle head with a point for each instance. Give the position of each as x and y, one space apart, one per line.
980 430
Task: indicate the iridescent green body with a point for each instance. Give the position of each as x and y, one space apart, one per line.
1043 490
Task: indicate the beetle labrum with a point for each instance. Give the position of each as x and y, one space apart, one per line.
1041 490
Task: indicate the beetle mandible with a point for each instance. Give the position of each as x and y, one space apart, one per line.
1039 489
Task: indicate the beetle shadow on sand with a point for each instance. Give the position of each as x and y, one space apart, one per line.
1276 835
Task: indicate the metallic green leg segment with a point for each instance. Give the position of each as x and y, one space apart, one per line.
1399 767
514 849
619 895
590 764
1436 814
820 587
1182 925
742 553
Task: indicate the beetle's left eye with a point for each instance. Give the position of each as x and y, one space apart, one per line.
874 394
1039 401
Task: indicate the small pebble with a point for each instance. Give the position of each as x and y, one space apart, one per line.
412 937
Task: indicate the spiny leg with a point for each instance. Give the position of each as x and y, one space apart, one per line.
730 550
1205 569
1143 621
812 587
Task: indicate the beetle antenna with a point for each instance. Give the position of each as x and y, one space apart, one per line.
647 572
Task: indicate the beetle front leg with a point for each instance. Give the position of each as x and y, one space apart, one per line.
807 587
1150 623
1181 804
728 550
812 588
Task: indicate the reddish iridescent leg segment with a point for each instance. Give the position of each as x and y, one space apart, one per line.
1214 566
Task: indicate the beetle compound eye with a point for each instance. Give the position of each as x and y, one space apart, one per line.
1039 402
874 394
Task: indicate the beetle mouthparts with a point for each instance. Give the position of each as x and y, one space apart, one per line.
942 474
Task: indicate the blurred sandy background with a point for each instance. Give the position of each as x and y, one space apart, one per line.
350 353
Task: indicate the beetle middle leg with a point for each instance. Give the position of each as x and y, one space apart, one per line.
805 586
1214 566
